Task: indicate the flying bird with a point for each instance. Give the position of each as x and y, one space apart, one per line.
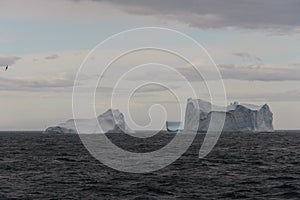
6 67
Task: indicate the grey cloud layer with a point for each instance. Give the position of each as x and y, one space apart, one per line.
267 96
153 88
8 60
249 59
251 72
52 57
261 73
268 14
58 83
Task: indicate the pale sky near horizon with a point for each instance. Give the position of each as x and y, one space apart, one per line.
254 43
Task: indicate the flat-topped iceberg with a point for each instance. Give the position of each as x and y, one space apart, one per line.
111 121
238 117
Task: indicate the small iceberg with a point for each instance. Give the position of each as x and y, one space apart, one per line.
174 126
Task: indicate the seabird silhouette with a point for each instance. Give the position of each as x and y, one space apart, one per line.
6 67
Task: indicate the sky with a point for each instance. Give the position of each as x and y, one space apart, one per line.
255 45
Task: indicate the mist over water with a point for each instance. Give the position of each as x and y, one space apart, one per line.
248 165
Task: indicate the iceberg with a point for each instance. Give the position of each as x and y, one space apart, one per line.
174 126
59 130
238 117
111 121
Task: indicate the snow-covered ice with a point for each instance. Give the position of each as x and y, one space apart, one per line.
238 117
110 121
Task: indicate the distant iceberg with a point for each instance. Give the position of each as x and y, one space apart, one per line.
59 129
238 117
174 126
111 121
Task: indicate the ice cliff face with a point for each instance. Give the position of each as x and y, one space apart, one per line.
111 121
238 117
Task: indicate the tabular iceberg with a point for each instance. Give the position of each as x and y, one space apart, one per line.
111 121
238 117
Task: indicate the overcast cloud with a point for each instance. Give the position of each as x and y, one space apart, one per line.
45 42
274 15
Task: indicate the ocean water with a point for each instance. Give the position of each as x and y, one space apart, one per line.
241 166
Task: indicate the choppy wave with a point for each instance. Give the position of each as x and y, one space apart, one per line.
253 166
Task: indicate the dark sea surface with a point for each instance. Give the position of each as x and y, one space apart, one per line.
241 166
